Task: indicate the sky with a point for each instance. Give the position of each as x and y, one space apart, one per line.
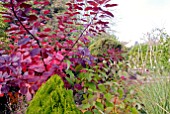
134 18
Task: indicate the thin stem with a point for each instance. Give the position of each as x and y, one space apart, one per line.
83 31
79 37
33 37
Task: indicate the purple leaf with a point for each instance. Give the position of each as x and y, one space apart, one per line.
2 60
23 41
78 86
15 58
37 67
33 80
24 90
35 51
4 89
34 87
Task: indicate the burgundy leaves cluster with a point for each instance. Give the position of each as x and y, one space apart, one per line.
38 51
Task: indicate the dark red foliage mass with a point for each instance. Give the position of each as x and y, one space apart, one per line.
37 51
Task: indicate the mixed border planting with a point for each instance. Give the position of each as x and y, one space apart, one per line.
57 57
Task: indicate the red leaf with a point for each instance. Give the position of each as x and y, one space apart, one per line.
47 29
12 29
79 0
68 4
24 5
7 5
7 20
21 32
32 18
86 15
81 4
6 16
61 27
36 2
102 1
93 3
76 13
84 20
108 13
92 30
77 7
46 3
42 35
59 56
20 1
92 8
1 94
34 11
103 16
110 5
69 22
88 8
13 37
46 12
92 13
102 22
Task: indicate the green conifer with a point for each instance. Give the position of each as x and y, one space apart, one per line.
53 98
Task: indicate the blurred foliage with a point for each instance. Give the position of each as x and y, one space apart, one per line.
105 88
53 98
101 43
154 96
104 94
153 54
3 26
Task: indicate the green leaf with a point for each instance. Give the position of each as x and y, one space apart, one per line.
102 87
99 105
85 106
108 110
96 111
82 76
108 104
91 86
78 68
89 76
108 96
90 70
68 64
69 80
134 111
88 112
103 74
70 73
120 91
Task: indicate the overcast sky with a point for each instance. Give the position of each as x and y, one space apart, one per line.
133 18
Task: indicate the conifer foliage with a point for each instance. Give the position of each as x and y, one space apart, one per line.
53 98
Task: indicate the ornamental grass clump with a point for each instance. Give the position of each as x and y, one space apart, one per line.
155 96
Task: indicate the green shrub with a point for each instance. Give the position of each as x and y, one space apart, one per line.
102 43
53 98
